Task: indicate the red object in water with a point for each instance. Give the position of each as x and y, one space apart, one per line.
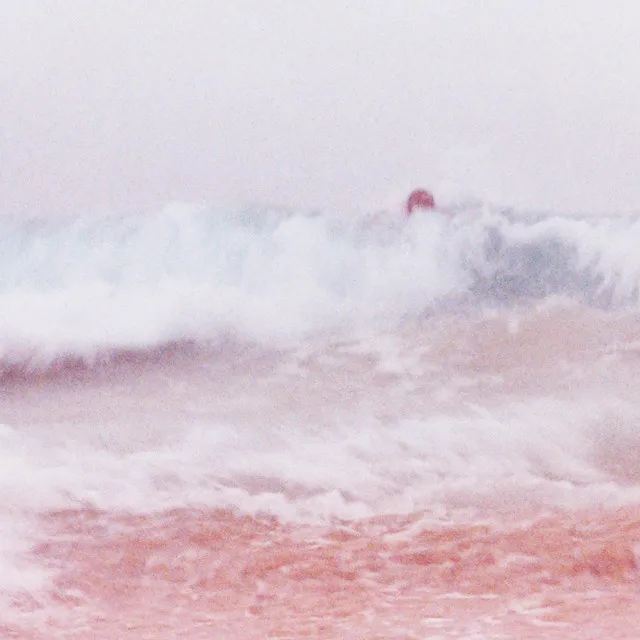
420 198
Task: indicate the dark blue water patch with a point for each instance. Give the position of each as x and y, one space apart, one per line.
529 270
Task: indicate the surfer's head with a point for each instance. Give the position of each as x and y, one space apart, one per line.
420 199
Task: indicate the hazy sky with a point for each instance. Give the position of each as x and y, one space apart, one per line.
338 105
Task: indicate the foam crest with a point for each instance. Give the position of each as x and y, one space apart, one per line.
113 283
78 287
296 472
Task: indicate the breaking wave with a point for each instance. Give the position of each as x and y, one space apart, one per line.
84 286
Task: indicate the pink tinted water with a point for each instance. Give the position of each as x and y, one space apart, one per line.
514 563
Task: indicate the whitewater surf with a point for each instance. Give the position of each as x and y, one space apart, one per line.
265 425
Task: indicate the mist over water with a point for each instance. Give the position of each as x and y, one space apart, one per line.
119 108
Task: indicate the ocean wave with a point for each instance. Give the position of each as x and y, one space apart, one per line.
88 285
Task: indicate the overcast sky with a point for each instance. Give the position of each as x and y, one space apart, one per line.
338 105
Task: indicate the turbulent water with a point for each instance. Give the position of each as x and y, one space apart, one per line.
277 425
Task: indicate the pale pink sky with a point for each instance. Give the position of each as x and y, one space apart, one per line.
112 105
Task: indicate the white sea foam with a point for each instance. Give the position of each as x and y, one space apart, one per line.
299 472
122 283
88 284
473 465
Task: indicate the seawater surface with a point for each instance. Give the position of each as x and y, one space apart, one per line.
259 425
